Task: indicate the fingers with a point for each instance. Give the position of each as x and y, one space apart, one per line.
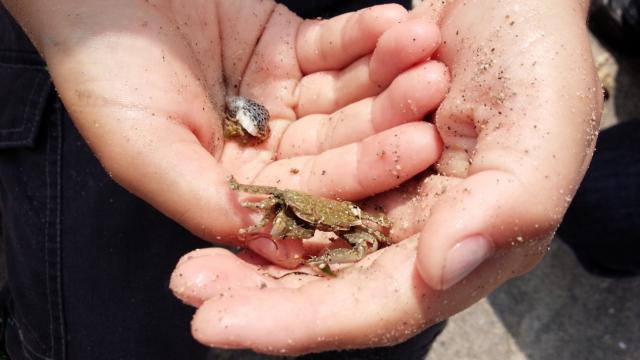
198 274
177 176
157 135
287 253
405 44
359 170
332 44
398 49
236 37
319 313
377 302
208 273
493 211
272 72
165 165
410 97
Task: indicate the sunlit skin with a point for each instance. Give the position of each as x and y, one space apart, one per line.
518 127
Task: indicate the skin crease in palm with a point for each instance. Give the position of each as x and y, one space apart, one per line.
516 126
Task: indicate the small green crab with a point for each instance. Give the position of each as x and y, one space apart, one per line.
296 214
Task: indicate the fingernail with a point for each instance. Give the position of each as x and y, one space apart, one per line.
463 258
286 253
264 247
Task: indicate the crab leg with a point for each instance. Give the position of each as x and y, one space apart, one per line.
381 220
264 204
359 239
252 189
364 243
337 256
254 229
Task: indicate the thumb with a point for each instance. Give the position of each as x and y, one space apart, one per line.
489 214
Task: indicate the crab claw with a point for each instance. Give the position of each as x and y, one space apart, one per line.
320 265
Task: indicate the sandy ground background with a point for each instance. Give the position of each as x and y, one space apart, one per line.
558 311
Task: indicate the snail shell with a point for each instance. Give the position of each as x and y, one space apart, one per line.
252 116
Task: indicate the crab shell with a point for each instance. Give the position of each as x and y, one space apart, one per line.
325 214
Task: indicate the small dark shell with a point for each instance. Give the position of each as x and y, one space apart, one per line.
252 116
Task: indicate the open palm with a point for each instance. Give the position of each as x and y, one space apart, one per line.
145 83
